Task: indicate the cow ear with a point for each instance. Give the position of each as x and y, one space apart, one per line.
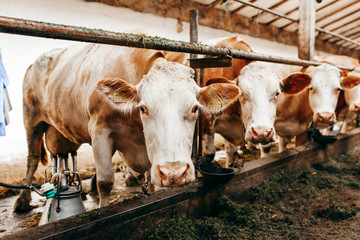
350 81
120 92
218 96
295 82
218 80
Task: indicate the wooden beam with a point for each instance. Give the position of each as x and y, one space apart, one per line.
306 29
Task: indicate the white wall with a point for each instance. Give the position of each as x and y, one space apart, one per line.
18 52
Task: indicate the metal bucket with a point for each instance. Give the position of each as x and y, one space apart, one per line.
68 203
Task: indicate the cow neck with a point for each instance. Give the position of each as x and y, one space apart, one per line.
295 107
143 60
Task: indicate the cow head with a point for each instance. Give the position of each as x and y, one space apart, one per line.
324 91
259 90
352 96
168 101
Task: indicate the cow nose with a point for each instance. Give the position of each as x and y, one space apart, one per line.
262 134
173 174
325 117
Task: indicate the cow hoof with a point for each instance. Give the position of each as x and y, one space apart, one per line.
22 205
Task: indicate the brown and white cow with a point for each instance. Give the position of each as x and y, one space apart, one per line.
231 117
260 89
316 104
117 98
215 123
252 117
350 99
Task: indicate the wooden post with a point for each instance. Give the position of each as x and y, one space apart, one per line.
306 29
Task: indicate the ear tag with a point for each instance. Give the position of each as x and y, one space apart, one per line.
119 97
214 105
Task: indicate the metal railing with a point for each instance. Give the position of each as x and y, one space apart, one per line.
67 32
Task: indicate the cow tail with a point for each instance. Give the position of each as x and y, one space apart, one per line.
43 154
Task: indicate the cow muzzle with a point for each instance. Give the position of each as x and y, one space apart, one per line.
173 174
261 135
324 119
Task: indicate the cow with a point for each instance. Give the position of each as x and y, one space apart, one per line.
117 98
316 104
350 99
213 122
260 90
251 119
220 123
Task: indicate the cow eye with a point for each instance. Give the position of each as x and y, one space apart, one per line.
277 94
144 109
311 88
195 109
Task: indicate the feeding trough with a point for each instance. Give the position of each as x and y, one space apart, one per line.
324 139
215 175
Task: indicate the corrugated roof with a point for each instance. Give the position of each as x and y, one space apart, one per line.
333 16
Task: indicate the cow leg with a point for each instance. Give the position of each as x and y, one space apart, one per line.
283 142
344 126
209 146
103 152
301 139
265 149
281 145
132 178
232 154
36 152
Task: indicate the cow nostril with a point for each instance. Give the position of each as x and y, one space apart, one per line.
270 133
185 174
356 107
161 173
319 117
254 133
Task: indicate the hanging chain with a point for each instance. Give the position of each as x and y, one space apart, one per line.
144 187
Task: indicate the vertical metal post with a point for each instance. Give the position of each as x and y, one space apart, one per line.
194 38
201 84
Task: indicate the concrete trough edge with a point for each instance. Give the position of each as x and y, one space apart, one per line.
134 218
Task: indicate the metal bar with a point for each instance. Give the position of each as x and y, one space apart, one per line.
294 20
201 83
194 39
211 62
65 32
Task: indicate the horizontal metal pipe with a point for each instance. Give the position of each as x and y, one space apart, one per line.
66 32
